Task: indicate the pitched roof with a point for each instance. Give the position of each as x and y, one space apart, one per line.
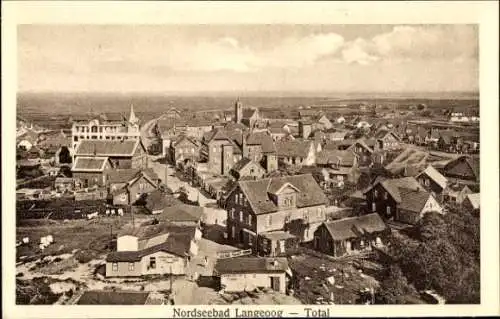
413 200
293 148
251 265
182 212
157 200
104 297
354 227
129 174
107 147
241 164
256 191
89 164
436 176
393 186
177 244
346 158
248 113
262 138
184 138
475 200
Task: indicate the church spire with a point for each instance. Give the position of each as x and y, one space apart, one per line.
132 119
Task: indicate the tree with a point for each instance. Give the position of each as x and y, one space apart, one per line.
395 289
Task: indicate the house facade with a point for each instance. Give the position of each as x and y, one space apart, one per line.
220 152
257 208
152 250
401 200
105 128
341 166
250 273
185 148
296 152
129 192
351 235
246 168
91 171
433 181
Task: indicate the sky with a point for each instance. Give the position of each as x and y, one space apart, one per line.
247 58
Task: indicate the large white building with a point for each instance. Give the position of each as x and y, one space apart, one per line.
105 128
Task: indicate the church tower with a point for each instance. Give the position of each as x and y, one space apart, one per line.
133 119
238 111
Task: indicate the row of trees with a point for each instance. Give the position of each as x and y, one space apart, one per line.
441 254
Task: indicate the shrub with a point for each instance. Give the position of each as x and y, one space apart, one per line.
84 256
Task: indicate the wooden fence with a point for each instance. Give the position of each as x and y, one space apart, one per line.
233 253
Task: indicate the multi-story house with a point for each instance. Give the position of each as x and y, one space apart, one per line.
297 152
153 250
105 127
260 148
388 140
340 166
272 215
184 148
360 147
219 151
402 200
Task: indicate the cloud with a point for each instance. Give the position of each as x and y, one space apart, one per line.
358 51
227 54
405 43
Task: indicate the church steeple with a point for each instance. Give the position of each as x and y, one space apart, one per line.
132 119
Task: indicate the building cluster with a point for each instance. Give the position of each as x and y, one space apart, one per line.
276 179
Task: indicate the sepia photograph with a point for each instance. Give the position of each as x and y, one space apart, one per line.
312 165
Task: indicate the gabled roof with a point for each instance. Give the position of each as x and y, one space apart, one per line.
413 200
473 165
475 200
108 147
126 175
158 200
436 176
148 230
383 133
354 227
251 265
89 164
293 148
393 186
345 158
182 213
263 139
257 192
248 112
184 139
242 163
175 244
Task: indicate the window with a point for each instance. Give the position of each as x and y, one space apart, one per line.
375 193
232 213
374 207
115 266
241 216
388 210
426 182
152 262
386 196
269 220
131 266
